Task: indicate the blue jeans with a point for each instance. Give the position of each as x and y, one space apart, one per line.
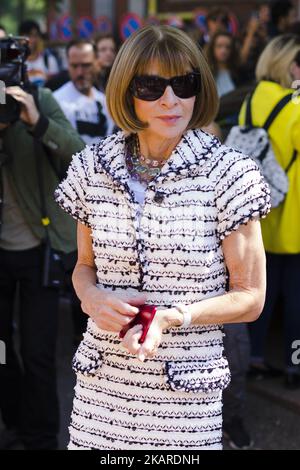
283 278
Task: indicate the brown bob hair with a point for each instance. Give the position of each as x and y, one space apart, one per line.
176 54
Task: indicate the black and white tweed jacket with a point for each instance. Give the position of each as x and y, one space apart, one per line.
174 253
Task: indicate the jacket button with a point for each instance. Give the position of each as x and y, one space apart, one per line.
158 197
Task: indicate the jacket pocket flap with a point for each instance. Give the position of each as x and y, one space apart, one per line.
198 376
87 360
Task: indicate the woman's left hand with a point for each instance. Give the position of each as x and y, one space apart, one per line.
153 339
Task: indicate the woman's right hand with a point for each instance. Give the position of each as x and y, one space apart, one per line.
111 311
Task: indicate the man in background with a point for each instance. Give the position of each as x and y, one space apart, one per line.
82 103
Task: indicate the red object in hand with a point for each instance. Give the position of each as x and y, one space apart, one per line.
144 318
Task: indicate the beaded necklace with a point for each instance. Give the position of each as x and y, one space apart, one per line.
141 168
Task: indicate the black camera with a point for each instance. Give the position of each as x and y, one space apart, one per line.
13 54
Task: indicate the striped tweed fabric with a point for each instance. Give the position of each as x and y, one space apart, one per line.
174 254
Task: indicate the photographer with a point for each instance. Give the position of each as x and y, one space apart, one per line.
36 144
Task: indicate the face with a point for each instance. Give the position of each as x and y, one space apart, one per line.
81 66
106 52
217 24
291 17
2 33
222 49
264 14
34 39
168 116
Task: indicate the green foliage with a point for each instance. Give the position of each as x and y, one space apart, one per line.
12 12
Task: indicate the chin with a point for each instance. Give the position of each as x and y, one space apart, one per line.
83 89
170 132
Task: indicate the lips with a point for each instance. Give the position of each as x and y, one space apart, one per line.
169 119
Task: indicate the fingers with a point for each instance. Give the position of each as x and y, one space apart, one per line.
16 92
127 304
112 312
148 348
137 300
109 319
21 96
102 302
20 99
13 88
122 307
131 343
131 339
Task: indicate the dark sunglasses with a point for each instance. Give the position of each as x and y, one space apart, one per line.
152 87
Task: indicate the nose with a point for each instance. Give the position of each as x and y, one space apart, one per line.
169 98
80 70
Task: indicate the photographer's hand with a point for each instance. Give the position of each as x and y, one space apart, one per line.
29 112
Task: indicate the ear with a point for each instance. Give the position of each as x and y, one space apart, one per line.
295 70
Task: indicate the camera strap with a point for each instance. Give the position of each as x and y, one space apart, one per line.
40 179
53 272
68 260
38 146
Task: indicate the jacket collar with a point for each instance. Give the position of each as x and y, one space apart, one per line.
192 152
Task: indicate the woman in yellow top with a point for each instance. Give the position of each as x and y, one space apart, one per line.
277 72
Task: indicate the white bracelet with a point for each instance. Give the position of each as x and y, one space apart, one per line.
187 316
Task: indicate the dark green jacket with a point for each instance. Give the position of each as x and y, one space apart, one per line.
62 141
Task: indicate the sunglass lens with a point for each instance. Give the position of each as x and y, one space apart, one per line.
151 88
148 88
186 86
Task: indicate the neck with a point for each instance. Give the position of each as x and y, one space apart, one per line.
155 147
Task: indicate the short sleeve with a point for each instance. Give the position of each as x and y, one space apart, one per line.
71 193
242 193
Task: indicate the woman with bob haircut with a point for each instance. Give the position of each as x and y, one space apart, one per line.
278 75
163 209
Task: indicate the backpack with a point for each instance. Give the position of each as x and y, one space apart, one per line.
255 142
